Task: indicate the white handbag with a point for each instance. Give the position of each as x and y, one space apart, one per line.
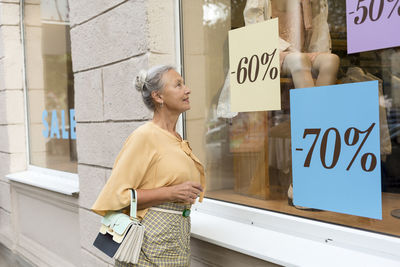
120 235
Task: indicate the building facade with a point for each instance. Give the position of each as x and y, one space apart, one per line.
67 103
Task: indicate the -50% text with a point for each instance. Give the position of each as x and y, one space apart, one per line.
375 11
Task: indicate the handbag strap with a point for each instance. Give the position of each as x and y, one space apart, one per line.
133 203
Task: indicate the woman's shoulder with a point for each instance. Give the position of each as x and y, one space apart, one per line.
141 135
143 129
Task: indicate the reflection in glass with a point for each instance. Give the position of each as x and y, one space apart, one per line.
50 85
247 155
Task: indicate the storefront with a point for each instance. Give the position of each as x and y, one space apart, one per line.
248 155
74 104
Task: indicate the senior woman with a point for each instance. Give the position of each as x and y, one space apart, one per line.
160 165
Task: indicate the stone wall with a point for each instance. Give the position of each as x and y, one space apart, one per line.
111 41
12 128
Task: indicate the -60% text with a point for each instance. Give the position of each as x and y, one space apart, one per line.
249 67
375 10
351 138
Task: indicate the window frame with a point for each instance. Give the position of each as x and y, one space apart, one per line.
290 240
31 167
65 183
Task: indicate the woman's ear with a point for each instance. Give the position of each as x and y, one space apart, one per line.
156 97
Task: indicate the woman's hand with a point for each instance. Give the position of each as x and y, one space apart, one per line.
186 192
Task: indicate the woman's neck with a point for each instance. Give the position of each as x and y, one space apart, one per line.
165 121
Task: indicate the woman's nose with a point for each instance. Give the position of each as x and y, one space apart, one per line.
187 90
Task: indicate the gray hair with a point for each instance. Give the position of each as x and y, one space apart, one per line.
149 81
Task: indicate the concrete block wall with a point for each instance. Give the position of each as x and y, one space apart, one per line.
12 128
111 40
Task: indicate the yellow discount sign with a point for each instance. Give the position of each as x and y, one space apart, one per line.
254 67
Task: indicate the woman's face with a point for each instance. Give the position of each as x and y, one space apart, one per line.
175 94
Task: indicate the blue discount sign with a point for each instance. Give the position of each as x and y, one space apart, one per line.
336 148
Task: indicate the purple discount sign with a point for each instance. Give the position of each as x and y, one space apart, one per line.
372 24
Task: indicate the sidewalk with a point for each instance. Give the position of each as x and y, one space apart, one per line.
9 259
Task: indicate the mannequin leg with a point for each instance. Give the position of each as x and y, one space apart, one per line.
327 66
299 66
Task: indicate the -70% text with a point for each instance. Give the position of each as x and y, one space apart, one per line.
351 138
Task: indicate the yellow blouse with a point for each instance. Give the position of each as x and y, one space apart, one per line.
151 157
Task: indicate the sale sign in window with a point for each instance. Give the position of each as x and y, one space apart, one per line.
254 67
336 148
372 24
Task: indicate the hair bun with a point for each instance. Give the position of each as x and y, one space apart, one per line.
140 80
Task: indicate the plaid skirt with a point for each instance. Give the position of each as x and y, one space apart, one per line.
166 239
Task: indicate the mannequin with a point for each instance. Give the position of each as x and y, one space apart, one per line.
305 51
299 43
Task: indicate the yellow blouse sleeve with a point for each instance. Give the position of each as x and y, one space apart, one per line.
129 171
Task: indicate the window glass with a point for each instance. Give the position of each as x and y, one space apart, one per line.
247 155
52 137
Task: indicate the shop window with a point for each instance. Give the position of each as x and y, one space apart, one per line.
247 155
50 85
